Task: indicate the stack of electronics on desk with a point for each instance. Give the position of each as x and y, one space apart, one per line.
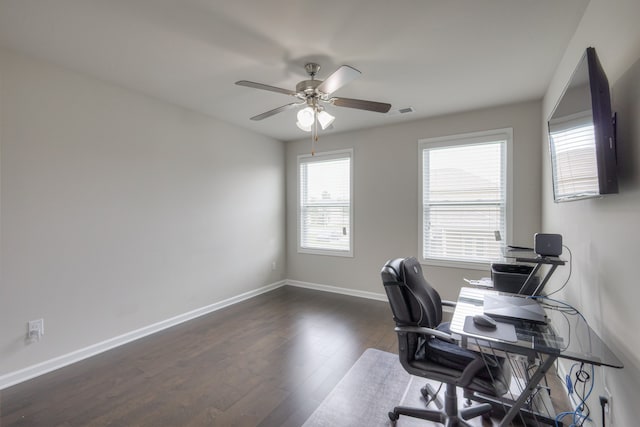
503 313
513 315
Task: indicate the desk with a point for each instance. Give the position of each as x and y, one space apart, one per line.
540 342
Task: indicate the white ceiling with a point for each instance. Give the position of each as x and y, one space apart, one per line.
437 56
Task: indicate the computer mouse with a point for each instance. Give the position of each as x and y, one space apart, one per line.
484 321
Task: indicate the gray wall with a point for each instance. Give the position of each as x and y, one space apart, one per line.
386 201
119 211
603 234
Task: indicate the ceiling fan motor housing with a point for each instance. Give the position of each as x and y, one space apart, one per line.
312 69
308 87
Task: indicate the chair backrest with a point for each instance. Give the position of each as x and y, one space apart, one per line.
413 301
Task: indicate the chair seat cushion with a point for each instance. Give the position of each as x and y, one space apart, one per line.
453 356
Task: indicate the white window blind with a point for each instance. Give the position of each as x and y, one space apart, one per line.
325 215
573 158
464 202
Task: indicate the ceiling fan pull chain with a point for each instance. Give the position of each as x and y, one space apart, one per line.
313 139
314 133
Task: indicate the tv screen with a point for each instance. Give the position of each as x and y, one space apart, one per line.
582 135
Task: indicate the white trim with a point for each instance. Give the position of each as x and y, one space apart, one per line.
42 368
479 137
326 252
509 237
581 118
16 377
482 266
336 290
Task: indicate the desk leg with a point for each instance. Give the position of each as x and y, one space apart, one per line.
546 279
535 379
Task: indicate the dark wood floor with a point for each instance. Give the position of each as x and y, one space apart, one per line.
268 361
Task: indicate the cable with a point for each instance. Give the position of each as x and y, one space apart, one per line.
603 405
582 411
569 382
562 308
570 270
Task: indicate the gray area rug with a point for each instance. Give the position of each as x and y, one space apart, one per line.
372 387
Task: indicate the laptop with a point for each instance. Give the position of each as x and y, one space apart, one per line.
514 308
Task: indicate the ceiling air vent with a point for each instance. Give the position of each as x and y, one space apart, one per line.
401 111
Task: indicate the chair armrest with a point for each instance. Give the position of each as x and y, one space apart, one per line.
471 371
448 303
426 331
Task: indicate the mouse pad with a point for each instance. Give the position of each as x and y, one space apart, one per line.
503 332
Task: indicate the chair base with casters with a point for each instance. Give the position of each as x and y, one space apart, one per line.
451 416
473 377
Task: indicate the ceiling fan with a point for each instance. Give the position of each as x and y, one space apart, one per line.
315 94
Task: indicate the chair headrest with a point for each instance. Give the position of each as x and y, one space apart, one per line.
412 299
391 272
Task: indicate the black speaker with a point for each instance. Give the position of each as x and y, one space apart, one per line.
547 244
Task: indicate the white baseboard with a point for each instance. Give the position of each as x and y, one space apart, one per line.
47 366
337 290
42 368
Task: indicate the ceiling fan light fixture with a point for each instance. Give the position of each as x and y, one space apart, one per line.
303 127
306 117
325 119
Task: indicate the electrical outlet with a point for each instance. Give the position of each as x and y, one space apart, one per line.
608 409
274 266
35 330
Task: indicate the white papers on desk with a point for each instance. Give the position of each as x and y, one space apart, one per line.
485 282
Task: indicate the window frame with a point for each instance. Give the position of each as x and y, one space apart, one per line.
471 138
318 157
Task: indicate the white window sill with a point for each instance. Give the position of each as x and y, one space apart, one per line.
326 252
484 266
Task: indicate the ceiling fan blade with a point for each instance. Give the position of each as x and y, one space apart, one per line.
276 111
265 87
339 78
361 104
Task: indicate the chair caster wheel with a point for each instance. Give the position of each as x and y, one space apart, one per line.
393 416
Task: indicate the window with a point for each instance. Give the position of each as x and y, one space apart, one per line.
325 214
464 188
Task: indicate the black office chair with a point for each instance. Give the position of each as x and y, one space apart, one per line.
427 349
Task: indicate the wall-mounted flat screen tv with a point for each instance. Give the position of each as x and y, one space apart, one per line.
582 135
